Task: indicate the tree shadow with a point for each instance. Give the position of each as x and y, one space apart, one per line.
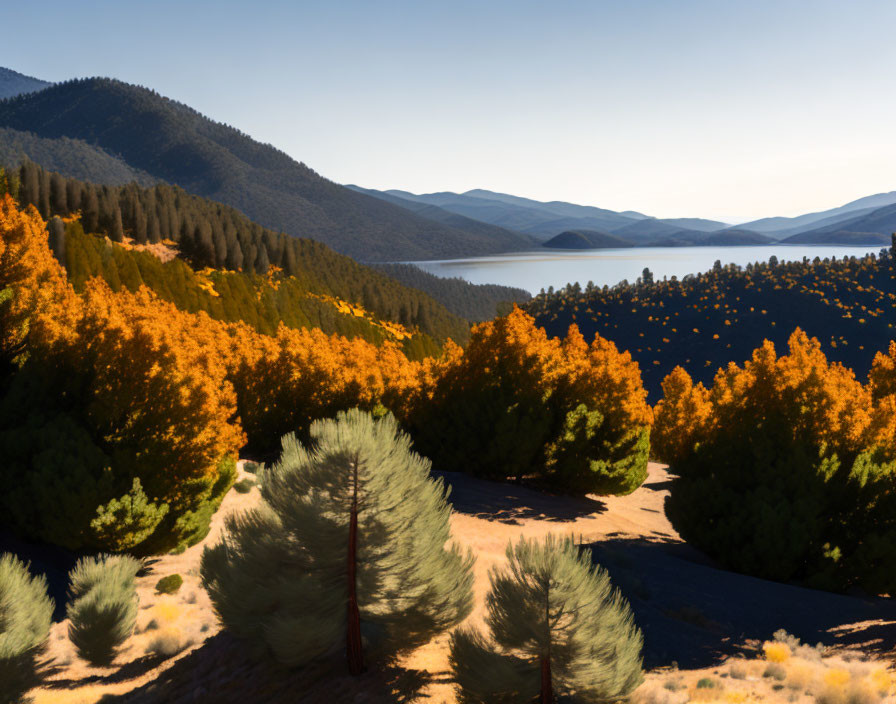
220 671
129 671
511 503
694 614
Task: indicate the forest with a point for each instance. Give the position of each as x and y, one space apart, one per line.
123 415
209 236
702 322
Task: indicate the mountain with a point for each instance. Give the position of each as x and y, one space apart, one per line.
446 217
866 228
541 220
13 83
72 157
586 239
781 226
173 143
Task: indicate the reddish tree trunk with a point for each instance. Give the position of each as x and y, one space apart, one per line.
353 625
547 686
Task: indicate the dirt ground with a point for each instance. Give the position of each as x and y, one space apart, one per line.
702 625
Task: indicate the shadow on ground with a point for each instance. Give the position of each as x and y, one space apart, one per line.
510 503
694 614
220 672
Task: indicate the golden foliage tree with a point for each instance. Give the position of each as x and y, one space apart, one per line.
788 477
518 403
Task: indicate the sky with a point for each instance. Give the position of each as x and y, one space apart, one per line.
724 109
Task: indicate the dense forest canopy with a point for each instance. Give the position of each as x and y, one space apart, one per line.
703 322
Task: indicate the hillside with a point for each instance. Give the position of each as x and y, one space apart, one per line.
783 226
72 157
13 83
867 228
474 302
585 239
274 278
176 144
703 322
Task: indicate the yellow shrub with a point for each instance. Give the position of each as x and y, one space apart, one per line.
836 677
776 652
167 612
881 680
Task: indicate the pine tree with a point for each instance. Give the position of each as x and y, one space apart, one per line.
349 548
559 629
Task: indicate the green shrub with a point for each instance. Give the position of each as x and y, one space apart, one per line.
244 486
102 606
169 584
25 616
557 625
706 683
775 671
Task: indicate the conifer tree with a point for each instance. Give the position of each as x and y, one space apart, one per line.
558 630
348 548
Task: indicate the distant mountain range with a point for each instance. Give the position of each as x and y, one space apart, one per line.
559 225
105 131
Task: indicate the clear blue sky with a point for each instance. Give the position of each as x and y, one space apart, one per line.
717 108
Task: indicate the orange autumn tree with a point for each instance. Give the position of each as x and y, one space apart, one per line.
787 477
882 381
285 382
119 428
517 403
681 417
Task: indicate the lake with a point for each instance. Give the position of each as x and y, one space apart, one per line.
543 268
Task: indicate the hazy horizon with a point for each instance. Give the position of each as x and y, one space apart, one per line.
692 109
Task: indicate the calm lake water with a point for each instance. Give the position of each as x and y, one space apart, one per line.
540 269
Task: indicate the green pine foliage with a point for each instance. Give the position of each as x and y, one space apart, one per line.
25 616
558 627
280 580
102 606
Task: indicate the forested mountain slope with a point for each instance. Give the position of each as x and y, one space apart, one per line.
176 144
209 235
73 157
704 322
475 302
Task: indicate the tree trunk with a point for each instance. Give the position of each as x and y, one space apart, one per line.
353 625
547 687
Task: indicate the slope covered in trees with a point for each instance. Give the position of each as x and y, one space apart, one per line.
176 144
475 302
703 322
300 291
73 157
13 83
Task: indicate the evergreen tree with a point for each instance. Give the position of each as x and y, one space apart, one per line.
558 627
348 548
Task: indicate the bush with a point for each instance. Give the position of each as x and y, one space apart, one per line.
516 403
786 477
280 579
25 616
169 584
102 606
557 626
706 683
167 643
